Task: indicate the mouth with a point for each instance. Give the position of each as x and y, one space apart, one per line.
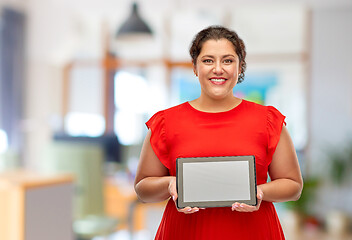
218 81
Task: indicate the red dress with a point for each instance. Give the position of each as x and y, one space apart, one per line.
248 129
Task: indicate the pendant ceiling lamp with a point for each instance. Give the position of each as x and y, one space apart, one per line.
134 25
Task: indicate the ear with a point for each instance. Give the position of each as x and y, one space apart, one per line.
194 69
195 72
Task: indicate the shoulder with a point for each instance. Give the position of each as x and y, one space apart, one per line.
256 107
172 110
176 108
259 110
168 113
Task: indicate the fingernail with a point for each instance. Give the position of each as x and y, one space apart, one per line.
260 196
173 198
189 210
196 210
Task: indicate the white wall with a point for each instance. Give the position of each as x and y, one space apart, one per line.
331 100
331 86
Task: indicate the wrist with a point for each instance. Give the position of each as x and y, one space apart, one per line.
261 191
172 187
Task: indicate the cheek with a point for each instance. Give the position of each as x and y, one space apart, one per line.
235 70
232 71
200 71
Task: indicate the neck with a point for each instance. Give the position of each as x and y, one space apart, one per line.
215 105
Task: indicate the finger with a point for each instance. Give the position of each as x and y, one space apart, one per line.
235 206
188 210
260 193
172 189
193 210
245 208
174 196
242 208
184 209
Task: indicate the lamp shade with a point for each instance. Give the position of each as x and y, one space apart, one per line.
134 24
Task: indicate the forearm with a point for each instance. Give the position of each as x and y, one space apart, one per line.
282 190
153 189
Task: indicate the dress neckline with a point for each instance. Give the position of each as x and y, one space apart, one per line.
215 113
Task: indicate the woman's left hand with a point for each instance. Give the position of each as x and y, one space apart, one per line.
242 207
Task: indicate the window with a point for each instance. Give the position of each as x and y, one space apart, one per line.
3 141
85 107
131 105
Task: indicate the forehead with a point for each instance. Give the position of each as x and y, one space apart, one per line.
217 47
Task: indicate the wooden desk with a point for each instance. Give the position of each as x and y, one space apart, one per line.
121 202
35 206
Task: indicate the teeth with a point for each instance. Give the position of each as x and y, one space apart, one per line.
217 80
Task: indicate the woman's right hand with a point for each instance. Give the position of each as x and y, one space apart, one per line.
173 194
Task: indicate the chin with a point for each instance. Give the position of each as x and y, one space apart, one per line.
218 96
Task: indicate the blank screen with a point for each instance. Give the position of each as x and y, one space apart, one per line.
216 181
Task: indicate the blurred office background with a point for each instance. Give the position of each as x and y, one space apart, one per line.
77 84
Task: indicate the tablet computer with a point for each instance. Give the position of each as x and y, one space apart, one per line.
216 181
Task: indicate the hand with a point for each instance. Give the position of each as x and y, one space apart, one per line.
173 194
242 207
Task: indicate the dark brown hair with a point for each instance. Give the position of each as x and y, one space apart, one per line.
217 33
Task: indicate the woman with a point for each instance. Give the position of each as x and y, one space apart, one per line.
219 124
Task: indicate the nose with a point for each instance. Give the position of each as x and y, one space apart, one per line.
218 68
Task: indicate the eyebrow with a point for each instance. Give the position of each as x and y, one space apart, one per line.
225 56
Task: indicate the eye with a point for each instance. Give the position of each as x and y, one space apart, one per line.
228 61
207 61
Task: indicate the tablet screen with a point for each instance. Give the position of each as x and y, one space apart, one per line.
216 181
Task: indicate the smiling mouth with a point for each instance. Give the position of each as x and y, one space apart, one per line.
218 81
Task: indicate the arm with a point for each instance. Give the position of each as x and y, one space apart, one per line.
152 178
286 180
153 182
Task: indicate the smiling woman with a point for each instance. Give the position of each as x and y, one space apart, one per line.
218 124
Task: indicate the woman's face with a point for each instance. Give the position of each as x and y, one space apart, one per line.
217 68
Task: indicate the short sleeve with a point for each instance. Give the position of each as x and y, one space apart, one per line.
275 120
158 137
